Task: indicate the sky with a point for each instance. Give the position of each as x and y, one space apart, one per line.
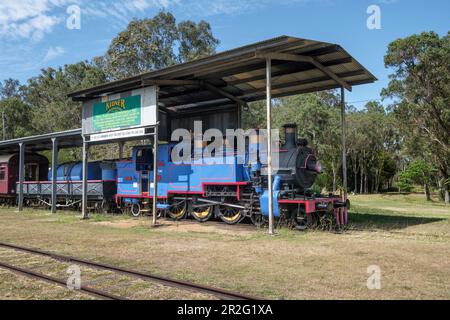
34 34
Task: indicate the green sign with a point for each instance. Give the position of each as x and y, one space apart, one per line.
117 114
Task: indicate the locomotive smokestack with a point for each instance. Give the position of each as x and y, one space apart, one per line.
290 133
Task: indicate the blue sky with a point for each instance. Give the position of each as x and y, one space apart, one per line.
33 33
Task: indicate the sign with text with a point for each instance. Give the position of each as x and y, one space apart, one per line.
117 114
114 116
120 134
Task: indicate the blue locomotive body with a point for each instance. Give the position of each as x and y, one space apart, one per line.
133 179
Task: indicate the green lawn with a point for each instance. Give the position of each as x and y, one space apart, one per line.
407 237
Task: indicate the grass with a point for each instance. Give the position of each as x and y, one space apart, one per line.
408 237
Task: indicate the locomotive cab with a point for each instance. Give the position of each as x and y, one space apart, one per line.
143 158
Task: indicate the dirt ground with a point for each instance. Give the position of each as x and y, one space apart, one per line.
405 236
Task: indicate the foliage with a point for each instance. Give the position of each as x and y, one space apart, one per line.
150 44
420 87
17 116
9 88
47 98
418 172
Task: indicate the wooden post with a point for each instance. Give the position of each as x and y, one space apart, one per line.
84 209
54 172
21 174
269 141
344 151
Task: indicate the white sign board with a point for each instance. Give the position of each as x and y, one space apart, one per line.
120 134
120 115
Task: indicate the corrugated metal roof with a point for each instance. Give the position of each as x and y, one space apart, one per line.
241 73
66 139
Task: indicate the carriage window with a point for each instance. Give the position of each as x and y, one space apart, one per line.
31 172
2 174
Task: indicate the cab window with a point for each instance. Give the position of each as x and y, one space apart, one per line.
144 159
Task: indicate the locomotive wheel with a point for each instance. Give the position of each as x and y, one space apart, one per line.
105 207
301 220
177 210
202 213
258 220
326 221
230 215
135 210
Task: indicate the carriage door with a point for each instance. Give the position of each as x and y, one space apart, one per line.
144 165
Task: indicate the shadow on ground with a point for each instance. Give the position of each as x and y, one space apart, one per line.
363 220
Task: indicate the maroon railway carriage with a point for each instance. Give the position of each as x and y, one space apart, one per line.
36 169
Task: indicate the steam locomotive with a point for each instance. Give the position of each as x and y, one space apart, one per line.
230 191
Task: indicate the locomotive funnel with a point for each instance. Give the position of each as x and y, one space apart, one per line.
290 133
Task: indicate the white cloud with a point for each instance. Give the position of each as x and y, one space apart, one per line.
53 52
33 19
29 18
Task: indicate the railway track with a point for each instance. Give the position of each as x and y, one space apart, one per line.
60 282
147 277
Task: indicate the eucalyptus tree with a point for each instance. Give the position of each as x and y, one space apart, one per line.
154 43
46 95
420 88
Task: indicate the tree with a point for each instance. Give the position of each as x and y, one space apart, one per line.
16 112
18 117
419 172
9 88
420 86
150 44
46 95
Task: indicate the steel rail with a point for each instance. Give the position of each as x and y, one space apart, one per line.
181 284
62 283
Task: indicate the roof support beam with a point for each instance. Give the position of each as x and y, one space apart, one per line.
223 93
307 59
163 82
288 68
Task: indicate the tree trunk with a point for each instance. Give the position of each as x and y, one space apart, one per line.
366 183
334 177
447 196
427 192
361 190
